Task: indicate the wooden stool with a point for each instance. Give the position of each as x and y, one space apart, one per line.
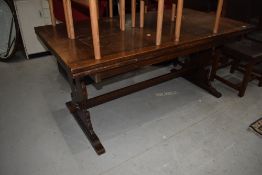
245 54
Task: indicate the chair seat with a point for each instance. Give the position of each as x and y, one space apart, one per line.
244 49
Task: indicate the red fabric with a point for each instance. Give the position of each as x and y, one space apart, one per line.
152 5
79 12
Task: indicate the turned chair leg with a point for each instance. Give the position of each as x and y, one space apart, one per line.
246 79
111 8
142 13
52 15
218 16
179 13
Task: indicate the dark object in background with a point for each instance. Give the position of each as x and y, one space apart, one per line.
243 10
10 41
201 5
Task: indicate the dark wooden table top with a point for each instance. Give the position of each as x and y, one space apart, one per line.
120 48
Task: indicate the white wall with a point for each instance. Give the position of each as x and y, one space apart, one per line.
32 13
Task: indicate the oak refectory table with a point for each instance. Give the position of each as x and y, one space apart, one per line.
134 48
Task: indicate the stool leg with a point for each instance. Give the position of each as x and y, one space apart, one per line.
246 79
234 65
215 65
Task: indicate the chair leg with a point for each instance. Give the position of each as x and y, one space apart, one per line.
215 65
51 9
246 79
234 65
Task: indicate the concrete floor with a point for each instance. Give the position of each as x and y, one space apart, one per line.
172 128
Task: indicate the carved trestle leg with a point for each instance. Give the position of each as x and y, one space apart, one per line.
200 75
78 107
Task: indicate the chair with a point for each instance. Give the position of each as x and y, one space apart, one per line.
246 54
93 7
79 12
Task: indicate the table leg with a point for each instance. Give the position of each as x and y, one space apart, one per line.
78 108
215 66
62 71
200 75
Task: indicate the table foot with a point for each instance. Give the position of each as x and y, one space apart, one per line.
83 119
200 75
201 79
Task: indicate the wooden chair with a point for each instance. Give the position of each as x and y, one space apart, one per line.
176 15
246 54
93 8
78 9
